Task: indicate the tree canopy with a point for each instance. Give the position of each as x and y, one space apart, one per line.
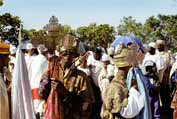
9 27
96 35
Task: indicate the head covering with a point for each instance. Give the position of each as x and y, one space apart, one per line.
69 44
162 42
111 51
4 48
121 59
105 58
41 49
29 46
13 49
152 44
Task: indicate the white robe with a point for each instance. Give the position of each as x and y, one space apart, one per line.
160 63
96 67
4 104
135 104
173 69
29 60
38 66
103 81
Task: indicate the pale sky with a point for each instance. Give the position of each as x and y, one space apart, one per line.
36 13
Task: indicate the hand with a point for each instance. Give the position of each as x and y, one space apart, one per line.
134 84
54 84
85 106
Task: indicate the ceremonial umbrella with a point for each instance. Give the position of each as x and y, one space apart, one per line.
22 105
125 40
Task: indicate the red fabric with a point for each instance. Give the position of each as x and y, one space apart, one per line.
52 108
175 113
35 94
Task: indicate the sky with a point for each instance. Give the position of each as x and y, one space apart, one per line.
36 13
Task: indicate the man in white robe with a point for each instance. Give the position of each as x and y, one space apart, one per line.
106 74
29 58
39 66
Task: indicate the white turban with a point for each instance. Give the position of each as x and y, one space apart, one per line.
41 48
29 46
152 44
13 49
111 51
105 57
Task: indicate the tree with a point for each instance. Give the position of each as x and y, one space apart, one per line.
96 35
9 27
1 2
129 26
162 27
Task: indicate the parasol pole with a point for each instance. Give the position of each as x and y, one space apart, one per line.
20 35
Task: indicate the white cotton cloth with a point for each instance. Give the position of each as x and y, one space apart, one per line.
135 104
95 68
160 63
103 82
173 69
29 60
22 106
38 66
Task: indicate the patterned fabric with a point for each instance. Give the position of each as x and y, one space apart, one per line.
75 94
52 108
114 99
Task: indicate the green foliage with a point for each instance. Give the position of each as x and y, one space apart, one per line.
96 35
9 27
1 2
162 27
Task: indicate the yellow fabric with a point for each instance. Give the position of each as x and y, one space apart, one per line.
121 59
4 48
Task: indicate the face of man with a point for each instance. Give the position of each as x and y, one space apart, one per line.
4 59
97 56
67 59
31 52
106 63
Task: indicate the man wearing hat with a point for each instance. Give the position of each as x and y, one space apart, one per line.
123 106
4 103
164 77
153 56
29 58
107 73
70 86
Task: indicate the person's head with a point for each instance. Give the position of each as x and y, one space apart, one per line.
83 61
13 50
42 50
160 45
30 49
124 61
152 48
4 55
111 51
105 59
97 53
68 51
130 45
149 68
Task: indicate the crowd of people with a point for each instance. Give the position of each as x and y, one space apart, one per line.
122 82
